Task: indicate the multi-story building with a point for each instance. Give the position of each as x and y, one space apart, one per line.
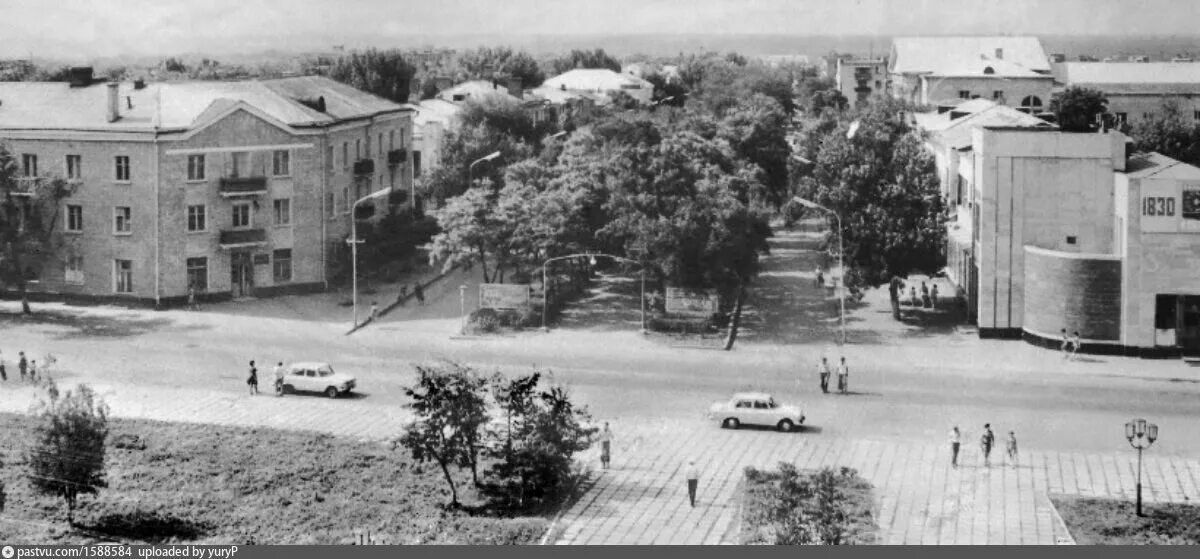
231 188
1137 90
860 78
1011 71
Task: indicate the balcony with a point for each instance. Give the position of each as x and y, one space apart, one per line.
364 166
396 157
232 187
242 238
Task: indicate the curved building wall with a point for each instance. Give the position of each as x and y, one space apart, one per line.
1079 292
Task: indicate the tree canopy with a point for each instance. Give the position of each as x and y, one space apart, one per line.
1077 108
1171 132
385 73
67 456
585 59
29 214
490 62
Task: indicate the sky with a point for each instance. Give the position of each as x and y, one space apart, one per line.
101 28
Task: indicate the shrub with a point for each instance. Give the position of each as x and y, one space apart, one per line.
483 321
826 507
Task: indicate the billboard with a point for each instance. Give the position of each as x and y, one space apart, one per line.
504 295
692 301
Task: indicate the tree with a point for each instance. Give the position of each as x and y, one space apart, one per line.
451 411
757 129
67 456
1077 108
175 65
585 59
383 73
29 213
1170 132
469 233
486 63
816 509
883 184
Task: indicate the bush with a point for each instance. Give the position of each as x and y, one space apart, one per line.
483 321
686 325
497 531
826 507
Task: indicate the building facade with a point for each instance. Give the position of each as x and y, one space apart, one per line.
859 78
229 188
1137 90
1011 71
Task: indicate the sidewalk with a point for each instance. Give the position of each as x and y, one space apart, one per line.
921 499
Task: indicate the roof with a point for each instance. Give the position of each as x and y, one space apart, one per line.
182 105
956 133
970 56
474 88
1152 164
752 395
559 96
595 80
435 110
1132 77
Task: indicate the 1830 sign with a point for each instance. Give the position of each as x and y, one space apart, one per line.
1161 206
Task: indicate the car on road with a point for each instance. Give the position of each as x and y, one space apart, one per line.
756 408
316 377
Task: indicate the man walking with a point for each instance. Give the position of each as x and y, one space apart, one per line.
823 371
1075 343
253 380
843 373
1012 448
605 446
986 441
693 481
933 295
1065 345
955 442
925 302
419 293
279 379
22 365
192 305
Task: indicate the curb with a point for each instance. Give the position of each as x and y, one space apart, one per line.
439 277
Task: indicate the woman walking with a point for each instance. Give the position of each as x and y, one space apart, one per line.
605 447
253 380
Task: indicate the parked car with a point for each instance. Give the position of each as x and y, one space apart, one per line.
316 377
756 408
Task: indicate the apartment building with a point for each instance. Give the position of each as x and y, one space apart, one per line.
860 78
234 189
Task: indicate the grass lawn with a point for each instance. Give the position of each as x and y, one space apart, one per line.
761 490
1113 522
225 485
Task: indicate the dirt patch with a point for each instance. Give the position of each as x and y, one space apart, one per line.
1113 522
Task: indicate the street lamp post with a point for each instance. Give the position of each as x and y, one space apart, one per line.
354 242
462 305
470 167
841 256
1140 435
592 256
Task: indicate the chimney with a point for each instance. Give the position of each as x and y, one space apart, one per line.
514 88
114 102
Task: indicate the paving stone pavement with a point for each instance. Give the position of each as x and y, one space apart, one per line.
920 498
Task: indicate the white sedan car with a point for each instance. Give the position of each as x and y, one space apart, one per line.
316 377
756 408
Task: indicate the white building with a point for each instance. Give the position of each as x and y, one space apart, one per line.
603 82
1137 90
1012 71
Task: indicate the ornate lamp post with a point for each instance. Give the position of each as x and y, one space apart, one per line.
471 167
1141 435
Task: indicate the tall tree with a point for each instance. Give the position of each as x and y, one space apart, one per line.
385 73
1077 108
29 214
485 63
1170 132
585 59
66 458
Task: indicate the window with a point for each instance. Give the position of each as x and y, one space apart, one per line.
416 160
392 137
283 211
281 163
241 215
122 171
123 276
1070 239
380 144
329 204
73 273
1196 115
240 161
195 170
998 95
367 146
74 218
345 199
28 165
74 167
357 150
197 274
122 220
1122 118
329 159
1166 309
345 155
964 94
197 219
282 265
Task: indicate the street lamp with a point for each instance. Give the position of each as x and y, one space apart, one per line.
1141 435
841 254
591 260
462 304
487 157
354 241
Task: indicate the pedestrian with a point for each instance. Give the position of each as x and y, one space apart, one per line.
693 481
843 376
33 370
955 442
986 441
253 380
820 278
605 446
3 372
403 294
1065 346
823 371
1075 343
925 302
279 379
419 293
192 298
912 296
933 295
1011 447
22 365
374 310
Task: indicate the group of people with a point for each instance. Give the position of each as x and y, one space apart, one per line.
987 441
418 293
252 381
28 368
929 297
1069 345
843 374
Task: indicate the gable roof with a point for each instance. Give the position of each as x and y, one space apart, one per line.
956 133
595 80
1132 77
170 106
969 56
1153 164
